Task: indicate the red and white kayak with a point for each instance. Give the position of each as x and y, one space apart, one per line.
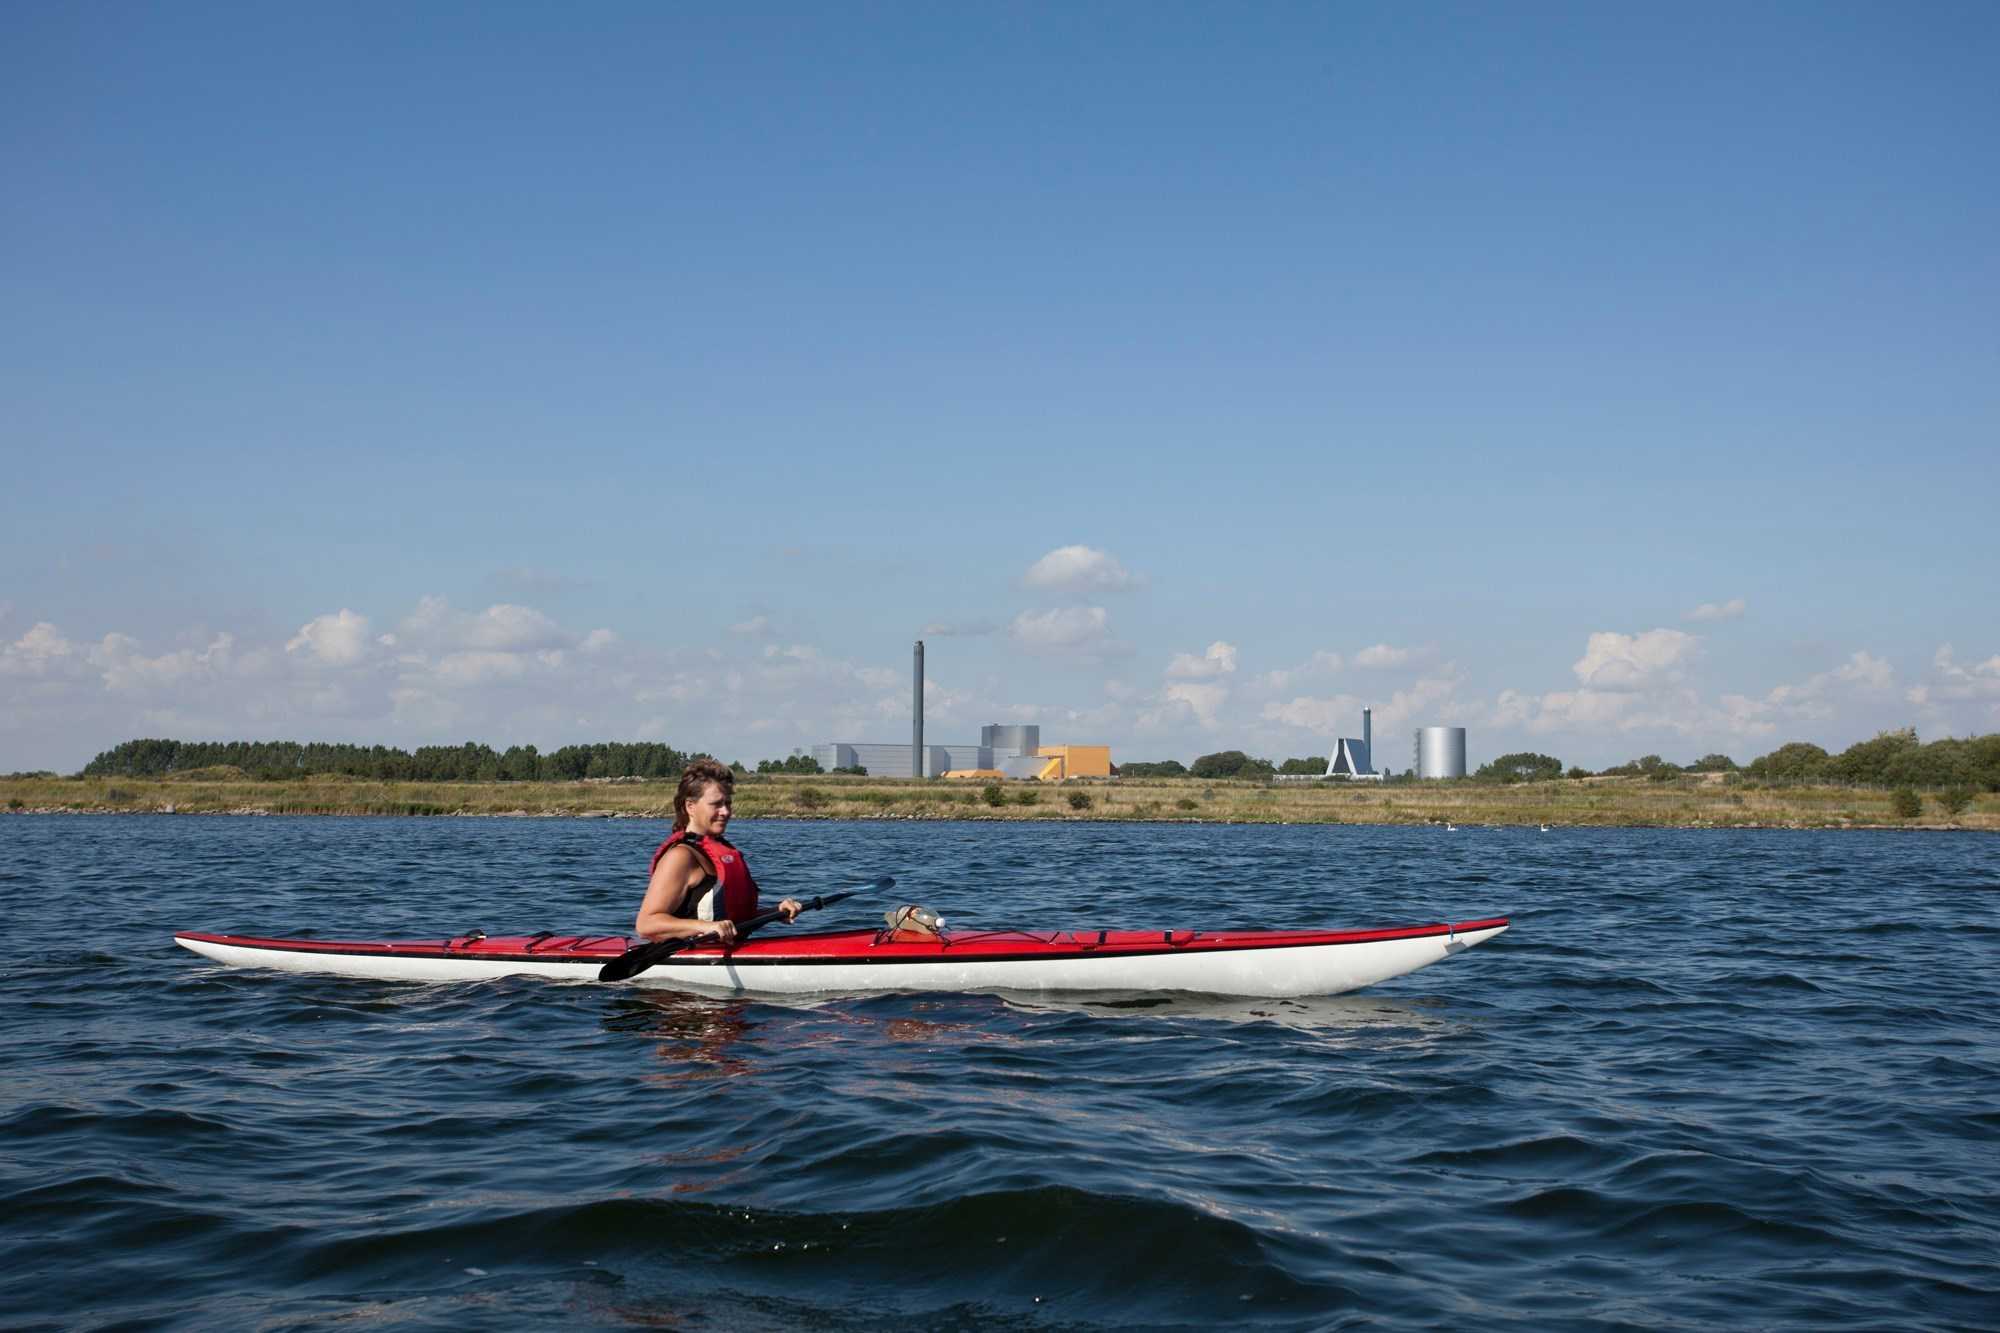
1228 962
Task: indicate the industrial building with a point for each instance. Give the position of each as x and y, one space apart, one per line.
1353 758
1003 751
1440 752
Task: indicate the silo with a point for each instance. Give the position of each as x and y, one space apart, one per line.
1441 752
1010 741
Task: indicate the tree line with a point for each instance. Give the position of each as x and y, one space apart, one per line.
470 762
1892 759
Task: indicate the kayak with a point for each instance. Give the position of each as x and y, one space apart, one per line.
1271 963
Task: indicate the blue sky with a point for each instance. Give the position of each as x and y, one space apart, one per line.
1187 376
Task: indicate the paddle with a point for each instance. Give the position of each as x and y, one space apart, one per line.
640 957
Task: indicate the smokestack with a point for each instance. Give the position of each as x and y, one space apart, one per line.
917 715
1368 736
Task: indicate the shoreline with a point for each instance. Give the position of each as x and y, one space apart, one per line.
1715 801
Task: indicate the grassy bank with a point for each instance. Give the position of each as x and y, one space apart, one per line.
1689 802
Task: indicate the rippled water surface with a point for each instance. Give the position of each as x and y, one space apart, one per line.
1708 1078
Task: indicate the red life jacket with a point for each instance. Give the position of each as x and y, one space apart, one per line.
726 889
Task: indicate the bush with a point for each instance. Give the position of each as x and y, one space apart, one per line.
797 763
1905 803
1231 764
1577 771
1799 761
809 798
1166 768
853 771
1523 767
992 795
1079 800
1027 796
1954 800
1185 803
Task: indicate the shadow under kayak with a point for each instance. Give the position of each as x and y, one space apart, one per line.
1227 962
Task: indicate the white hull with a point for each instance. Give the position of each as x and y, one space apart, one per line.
1316 969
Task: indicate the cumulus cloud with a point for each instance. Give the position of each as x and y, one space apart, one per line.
1202 700
1428 700
1381 656
40 651
754 625
1322 663
126 667
505 627
1613 661
1064 628
1219 660
339 638
957 629
1080 568
1729 610
597 641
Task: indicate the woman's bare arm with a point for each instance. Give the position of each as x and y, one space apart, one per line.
677 872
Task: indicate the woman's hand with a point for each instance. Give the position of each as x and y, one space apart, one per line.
724 929
791 908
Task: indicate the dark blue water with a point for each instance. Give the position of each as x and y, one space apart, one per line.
1709 1078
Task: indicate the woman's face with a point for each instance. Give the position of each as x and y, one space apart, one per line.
709 812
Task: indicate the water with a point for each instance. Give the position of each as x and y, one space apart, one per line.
1708 1078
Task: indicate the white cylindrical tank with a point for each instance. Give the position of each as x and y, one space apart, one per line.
1441 752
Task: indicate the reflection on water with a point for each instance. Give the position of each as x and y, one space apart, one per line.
1327 1015
696 1036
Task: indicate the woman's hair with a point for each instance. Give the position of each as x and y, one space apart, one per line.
694 781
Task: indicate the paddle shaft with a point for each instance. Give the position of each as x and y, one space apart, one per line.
636 960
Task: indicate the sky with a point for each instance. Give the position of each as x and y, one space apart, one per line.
1607 380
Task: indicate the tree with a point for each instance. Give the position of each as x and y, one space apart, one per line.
1525 766
1869 761
1905 802
1165 768
1713 763
1313 765
1797 761
1222 764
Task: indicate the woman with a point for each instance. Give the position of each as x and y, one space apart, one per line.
700 884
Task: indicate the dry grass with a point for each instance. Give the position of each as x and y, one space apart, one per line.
1691 802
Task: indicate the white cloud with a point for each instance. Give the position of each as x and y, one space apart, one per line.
1729 610
1321 717
40 651
1322 663
597 641
957 629
1381 656
1080 568
125 667
337 639
1064 628
1868 671
1204 701
754 625
505 627
1219 660
1613 661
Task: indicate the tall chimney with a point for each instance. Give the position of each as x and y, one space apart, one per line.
1368 736
917 715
